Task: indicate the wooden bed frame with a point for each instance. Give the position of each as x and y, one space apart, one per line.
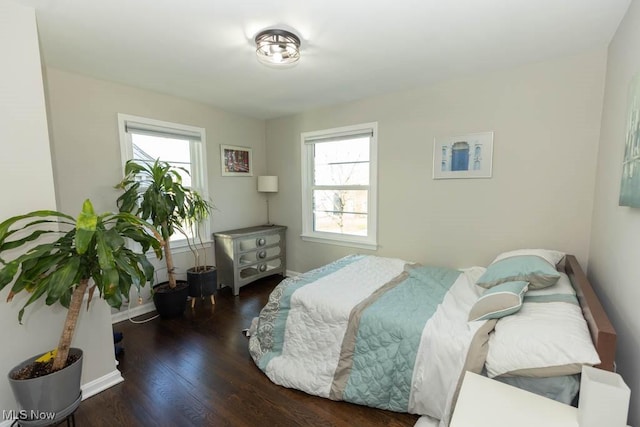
601 329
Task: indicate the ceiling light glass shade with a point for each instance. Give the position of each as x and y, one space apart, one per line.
277 47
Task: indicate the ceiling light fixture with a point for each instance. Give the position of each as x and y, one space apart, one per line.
277 47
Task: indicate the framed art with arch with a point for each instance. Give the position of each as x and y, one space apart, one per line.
465 156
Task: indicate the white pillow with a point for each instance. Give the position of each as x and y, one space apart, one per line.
547 337
551 256
562 286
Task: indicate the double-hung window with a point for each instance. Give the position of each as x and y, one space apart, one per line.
182 146
339 186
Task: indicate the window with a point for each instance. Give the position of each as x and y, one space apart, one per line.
146 140
339 182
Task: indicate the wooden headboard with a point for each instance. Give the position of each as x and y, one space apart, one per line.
602 332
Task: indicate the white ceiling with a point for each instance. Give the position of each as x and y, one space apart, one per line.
203 49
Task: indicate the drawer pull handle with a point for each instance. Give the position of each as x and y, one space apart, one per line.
262 254
261 241
262 268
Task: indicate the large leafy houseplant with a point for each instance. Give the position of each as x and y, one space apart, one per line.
76 256
154 192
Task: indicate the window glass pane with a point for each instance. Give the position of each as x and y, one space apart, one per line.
186 176
344 162
353 224
148 148
176 152
342 174
179 236
341 211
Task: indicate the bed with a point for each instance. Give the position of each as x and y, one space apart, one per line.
391 334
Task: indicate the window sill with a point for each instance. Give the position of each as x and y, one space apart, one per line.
180 247
340 242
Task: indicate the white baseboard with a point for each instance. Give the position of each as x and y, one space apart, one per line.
138 310
90 389
101 384
148 307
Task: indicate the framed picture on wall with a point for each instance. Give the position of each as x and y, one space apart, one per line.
630 182
465 156
236 161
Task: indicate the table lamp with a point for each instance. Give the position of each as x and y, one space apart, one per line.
268 184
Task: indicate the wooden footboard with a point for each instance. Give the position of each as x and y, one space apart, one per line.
602 332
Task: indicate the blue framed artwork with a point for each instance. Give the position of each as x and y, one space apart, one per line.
630 182
466 156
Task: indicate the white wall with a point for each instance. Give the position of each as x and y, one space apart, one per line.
615 244
545 117
86 149
25 162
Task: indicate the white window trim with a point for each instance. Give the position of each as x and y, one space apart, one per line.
198 155
308 234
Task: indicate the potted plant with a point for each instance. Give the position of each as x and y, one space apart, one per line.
154 192
202 277
77 256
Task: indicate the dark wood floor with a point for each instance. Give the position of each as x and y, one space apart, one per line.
196 371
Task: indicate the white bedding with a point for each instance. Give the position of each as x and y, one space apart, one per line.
301 338
318 317
547 337
317 322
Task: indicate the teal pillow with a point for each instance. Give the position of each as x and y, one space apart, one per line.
530 268
499 301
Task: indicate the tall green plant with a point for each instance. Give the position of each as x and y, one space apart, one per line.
75 252
154 192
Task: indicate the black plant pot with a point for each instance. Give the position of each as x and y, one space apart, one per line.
202 282
170 302
58 392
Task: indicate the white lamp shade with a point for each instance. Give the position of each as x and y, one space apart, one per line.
268 184
604 399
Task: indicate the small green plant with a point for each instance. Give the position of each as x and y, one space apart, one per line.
199 210
78 255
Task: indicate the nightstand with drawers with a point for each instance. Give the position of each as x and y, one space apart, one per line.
248 254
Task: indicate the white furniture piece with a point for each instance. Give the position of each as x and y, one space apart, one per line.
484 402
248 254
604 399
